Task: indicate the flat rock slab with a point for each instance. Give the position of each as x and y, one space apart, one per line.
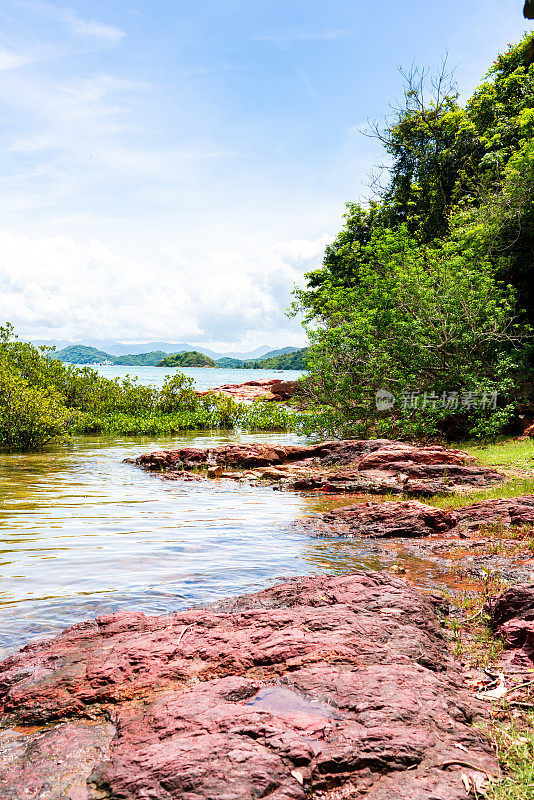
515 511
372 466
312 685
391 519
413 519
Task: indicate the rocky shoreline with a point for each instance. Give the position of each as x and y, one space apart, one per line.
336 688
373 466
271 389
317 685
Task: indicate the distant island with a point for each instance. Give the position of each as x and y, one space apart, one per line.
192 359
284 358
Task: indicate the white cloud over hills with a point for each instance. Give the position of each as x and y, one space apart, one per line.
58 288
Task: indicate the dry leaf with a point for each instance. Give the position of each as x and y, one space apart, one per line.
298 776
466 780
494 694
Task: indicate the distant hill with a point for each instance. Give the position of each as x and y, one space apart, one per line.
229 363
84 354
274 353
191 359
80 354
115 349
141 359
292 360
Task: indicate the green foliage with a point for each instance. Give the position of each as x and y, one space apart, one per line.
230 363
29 416
285 358
293 360
151 359
513 740
42 398
192 359
431 289
81 354
421 319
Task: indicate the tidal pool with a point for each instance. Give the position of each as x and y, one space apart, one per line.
83 534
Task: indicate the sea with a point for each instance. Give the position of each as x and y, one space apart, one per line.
204 378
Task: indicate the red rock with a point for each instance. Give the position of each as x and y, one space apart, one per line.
515 511
61 757
309 685
285 388
250 390
399 468
408 518
512 615
397 452
517 602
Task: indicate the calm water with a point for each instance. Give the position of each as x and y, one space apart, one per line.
83 534
203 378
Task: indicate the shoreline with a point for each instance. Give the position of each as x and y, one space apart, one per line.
470 641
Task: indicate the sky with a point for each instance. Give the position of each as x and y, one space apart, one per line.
170 170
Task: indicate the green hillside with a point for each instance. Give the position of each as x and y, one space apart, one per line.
192 359
229 363
80 354
142 359
294 360
273 353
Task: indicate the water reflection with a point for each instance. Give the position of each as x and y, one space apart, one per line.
83 534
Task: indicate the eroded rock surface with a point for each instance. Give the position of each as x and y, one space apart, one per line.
391 519
412 519
372 466
267 389
515 511
310 685
512 615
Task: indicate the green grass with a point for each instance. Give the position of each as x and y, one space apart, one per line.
508 453
513 739
515 487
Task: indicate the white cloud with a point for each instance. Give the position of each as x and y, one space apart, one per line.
77 25
59 288
9 59
90 28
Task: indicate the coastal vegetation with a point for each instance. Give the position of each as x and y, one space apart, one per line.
427 294
42 399
193 359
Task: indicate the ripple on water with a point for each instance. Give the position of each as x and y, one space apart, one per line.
83 534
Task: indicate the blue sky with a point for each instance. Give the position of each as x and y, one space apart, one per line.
169 170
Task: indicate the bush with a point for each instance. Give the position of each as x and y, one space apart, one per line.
29 416
41 399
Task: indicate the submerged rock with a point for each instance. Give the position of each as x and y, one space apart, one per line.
371 466
310 685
